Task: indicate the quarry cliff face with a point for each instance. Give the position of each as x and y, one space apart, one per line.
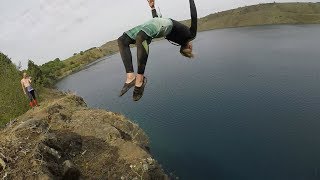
63 139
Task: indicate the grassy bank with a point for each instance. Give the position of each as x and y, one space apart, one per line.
83 58
12 100
14 103
261 14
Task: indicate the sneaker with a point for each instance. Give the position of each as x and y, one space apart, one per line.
126 87
138 91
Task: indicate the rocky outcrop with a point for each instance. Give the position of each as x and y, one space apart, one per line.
63 139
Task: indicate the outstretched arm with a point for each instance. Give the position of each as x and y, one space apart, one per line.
153 9
194 19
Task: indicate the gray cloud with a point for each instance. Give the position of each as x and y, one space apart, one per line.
42 30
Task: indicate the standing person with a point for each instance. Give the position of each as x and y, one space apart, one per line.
142 36
28 90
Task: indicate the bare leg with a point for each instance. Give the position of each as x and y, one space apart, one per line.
139 80
130 77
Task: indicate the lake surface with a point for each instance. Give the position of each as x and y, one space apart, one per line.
247 107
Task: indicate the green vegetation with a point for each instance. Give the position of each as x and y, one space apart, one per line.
50 72
261 14
13 101
54 70
79 60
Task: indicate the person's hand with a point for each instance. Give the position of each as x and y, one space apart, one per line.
25 92
151 3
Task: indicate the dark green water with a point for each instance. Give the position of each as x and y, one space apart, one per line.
247 107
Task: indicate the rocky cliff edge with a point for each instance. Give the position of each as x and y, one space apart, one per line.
64 139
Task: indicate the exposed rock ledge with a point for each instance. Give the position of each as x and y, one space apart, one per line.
63 139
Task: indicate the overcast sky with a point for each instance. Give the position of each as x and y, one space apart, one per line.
42 30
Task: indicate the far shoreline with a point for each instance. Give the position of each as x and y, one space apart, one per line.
161 39
268 14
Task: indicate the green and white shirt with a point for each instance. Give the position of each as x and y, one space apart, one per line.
154 28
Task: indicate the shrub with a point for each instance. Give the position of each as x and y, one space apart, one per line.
13 101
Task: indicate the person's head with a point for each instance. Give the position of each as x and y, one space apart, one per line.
25 75
186 50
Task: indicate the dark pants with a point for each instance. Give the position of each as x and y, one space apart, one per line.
31 95
142 42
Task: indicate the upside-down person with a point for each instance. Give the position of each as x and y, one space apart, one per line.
142 36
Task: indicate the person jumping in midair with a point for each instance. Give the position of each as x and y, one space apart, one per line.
142 36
